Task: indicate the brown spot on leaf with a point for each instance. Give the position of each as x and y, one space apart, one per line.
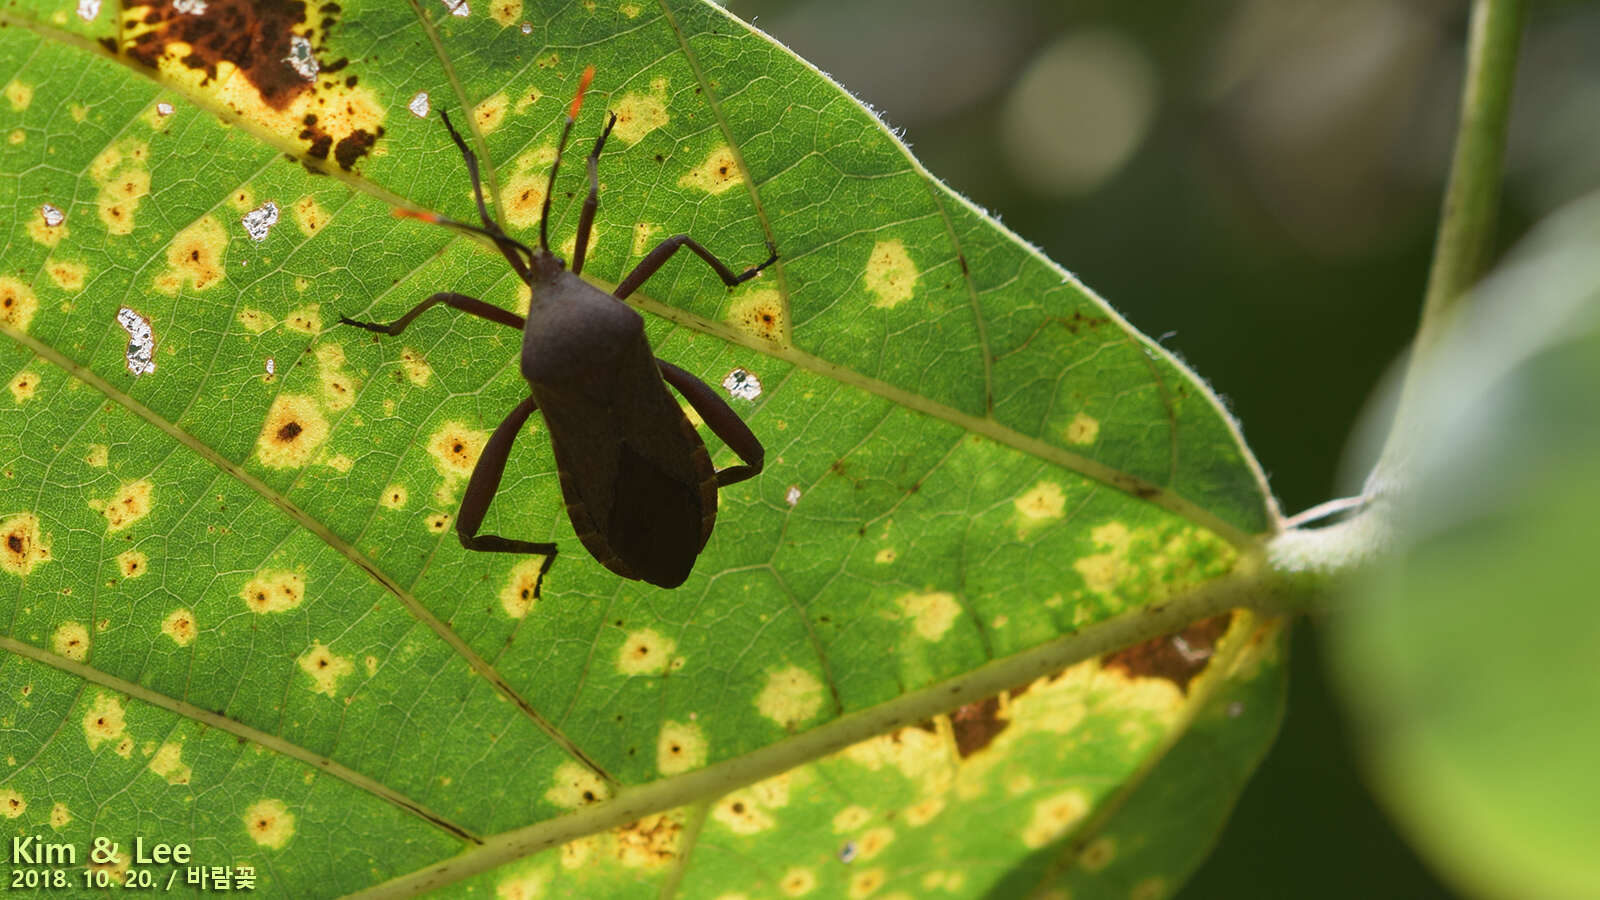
1178 657
976 725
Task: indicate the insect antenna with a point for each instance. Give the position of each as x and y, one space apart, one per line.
505 242
566 131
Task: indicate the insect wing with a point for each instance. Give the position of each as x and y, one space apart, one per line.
639 486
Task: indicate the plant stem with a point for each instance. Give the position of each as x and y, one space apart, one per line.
1466 222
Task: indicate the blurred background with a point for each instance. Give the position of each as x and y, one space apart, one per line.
1255 183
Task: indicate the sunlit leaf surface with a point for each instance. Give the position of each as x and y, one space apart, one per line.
235 613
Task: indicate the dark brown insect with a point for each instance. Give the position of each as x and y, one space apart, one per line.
639 486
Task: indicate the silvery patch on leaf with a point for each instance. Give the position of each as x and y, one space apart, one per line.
52 216
457 7
742 383
272 365
260 220
141 341
301 59
527 28
419 105
792 497
88 9
190 7
163 109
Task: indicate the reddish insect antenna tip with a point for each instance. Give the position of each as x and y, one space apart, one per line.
583 85
416 214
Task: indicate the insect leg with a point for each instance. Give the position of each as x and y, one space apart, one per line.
470 305
664 250
592 202
723 421
483 484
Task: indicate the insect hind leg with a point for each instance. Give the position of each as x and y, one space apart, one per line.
724 422
485 482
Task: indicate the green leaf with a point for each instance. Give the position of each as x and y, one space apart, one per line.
1471 653
235 613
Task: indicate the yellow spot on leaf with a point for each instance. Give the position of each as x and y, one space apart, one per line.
180 626
931 614
242 199
455 448
645 652
306 320
438 522
1083 429
680 748
718 173
576 786
104 721
12 805
309 215
19 94
873 842
22 547
255 321
338 388
792 696
69 276
797 882
17 304
128 505
45 233
506 12
121 173
1098 854
639 114
740 812
1054 816
98 455
521 198
523 587
1044 502
71 640
924 811
293 431
195 257
885 556
851 818
269 823
325 668
394 497
132 563
759 312
491 112
168 763
416 368
890 275
649 842
274 591
24 386
522 886
865 883
631 10
60 816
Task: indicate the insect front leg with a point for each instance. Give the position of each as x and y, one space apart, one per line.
485 482
724 422
469 305
586 218
664 250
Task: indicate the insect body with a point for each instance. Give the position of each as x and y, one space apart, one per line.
638 484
